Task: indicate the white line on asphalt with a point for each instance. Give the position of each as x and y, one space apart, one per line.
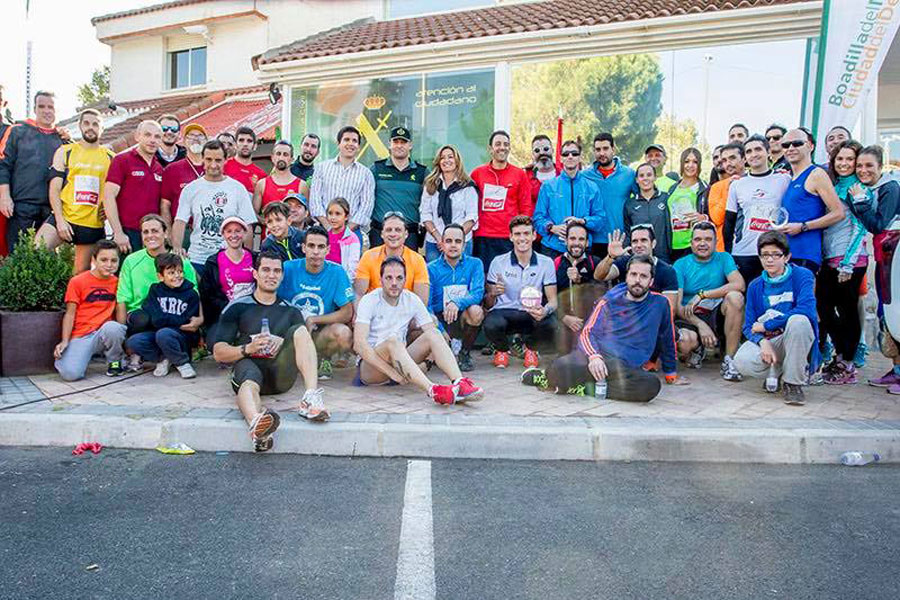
415 559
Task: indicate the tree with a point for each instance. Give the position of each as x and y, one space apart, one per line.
677 135
619 94
95 90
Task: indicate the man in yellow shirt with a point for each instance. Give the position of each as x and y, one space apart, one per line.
394 234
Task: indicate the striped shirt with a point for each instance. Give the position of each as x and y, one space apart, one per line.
354 183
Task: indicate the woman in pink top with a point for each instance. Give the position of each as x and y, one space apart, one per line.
344 248
227 274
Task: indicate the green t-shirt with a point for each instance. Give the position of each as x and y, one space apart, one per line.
681 200
138 273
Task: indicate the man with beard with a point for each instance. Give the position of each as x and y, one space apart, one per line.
181 172
398 188
169 150
577 289
241 167
77 178
717 199
774 133
228 142
718 170
628 326
281 182
303 167
738 133
615 181
542 167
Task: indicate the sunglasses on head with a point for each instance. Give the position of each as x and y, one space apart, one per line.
392 213
172 128
793 144
571 153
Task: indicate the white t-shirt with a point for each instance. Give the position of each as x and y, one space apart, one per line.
210 203
754 198
386 321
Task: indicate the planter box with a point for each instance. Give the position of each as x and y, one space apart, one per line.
27 340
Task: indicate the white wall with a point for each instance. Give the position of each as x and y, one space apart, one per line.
292 20
136 69
889 106
228 53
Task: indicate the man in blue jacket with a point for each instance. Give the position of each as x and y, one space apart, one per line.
457 288
569 198
615 181
781 324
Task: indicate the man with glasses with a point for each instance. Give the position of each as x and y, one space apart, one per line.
182 172
752 202
309 150
169 150
368 271
780 323
614 180
774 135
542 167
398 188
570 198
810 200
240 167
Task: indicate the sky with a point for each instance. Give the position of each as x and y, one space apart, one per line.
756 84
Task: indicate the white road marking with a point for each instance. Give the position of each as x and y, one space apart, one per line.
415 559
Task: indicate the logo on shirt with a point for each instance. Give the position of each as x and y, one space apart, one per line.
172 306
137 173
309 304
776 299
220 199
100 295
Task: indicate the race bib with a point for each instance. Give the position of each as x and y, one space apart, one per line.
87 190
494 197
759 217
454 292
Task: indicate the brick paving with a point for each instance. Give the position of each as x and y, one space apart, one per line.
708 396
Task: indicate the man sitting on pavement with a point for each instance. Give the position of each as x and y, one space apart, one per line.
628 326
457 289
780 324
282 237
712 304
577 289
321 291
368 270
517 283
382 323
266 340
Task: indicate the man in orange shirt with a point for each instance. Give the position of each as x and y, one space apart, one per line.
368 272
88 325
733 159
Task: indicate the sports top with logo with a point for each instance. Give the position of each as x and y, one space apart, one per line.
82 192
538 273
210 203
753 198
315 294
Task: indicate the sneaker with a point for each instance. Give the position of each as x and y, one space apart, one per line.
894 389
517 347
578 390
859 359
887 380
465 362
263 426
263 445
651 366
535 377
817 378
134 364
312 406
162 368
467 391
841 374
344 360
186 371
200 353
695 358
487 350
325 370
827 352
531 357
442 394
114 369
793 394
729 370
501 359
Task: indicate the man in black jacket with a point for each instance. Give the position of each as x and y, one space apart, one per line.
26 154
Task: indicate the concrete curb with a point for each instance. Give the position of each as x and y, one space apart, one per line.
737 441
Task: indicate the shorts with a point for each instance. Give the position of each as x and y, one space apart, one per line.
713 318
81 235
272 375
358 382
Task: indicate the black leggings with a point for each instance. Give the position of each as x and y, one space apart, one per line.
836 303
623 382
501 323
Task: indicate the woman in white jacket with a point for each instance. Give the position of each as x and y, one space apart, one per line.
449 196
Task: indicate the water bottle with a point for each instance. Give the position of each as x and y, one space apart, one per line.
264 330
858 459
772 380
455 345
600 390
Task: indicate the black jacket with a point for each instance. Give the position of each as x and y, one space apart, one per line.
213 298
171 307
304 172
26 159
638 211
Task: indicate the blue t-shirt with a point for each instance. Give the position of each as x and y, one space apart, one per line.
315 293
694 275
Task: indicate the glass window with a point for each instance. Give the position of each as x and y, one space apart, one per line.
187 67
409 8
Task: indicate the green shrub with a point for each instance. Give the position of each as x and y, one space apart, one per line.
34 279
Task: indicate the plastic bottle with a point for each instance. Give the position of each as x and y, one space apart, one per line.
772 380
600 390
455 346
858 459
264 330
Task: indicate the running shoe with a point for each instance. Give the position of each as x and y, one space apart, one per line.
501 359
793 394
467 391
186 371
729 370
312 406
442 394
827 351
162 368
517 347
816 378
114 368
487 350
134 364
262 427
263 445
887 380
579 390
531 357
841 374
465 362
859 359
535 377
695 358
894 389
325 369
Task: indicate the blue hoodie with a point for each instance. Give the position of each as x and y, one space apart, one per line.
565 196
289 248
614 191
469 272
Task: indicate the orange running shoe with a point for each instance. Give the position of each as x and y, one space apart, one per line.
532 358
501 359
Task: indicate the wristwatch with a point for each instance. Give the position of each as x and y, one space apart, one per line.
804 226
701 294
244 350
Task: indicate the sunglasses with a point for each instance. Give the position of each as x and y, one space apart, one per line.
392 213
544 149
773 138
794 144
571 153
172 128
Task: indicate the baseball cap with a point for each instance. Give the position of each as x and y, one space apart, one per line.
401 133
230 220
298 198
194 127
655 147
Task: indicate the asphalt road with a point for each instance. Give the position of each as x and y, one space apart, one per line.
281 526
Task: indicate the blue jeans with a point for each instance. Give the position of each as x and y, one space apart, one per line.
432 252
168 343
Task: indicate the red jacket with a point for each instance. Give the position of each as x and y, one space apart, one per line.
536 184
501 196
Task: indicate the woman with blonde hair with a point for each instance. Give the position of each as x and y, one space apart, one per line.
449 196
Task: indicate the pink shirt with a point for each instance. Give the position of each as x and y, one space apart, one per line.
334 246
236 280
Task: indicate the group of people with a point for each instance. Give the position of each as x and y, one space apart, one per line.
619 271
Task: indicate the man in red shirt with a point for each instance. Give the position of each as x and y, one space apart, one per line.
182 172
503 192
133 186
241 167
542 167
